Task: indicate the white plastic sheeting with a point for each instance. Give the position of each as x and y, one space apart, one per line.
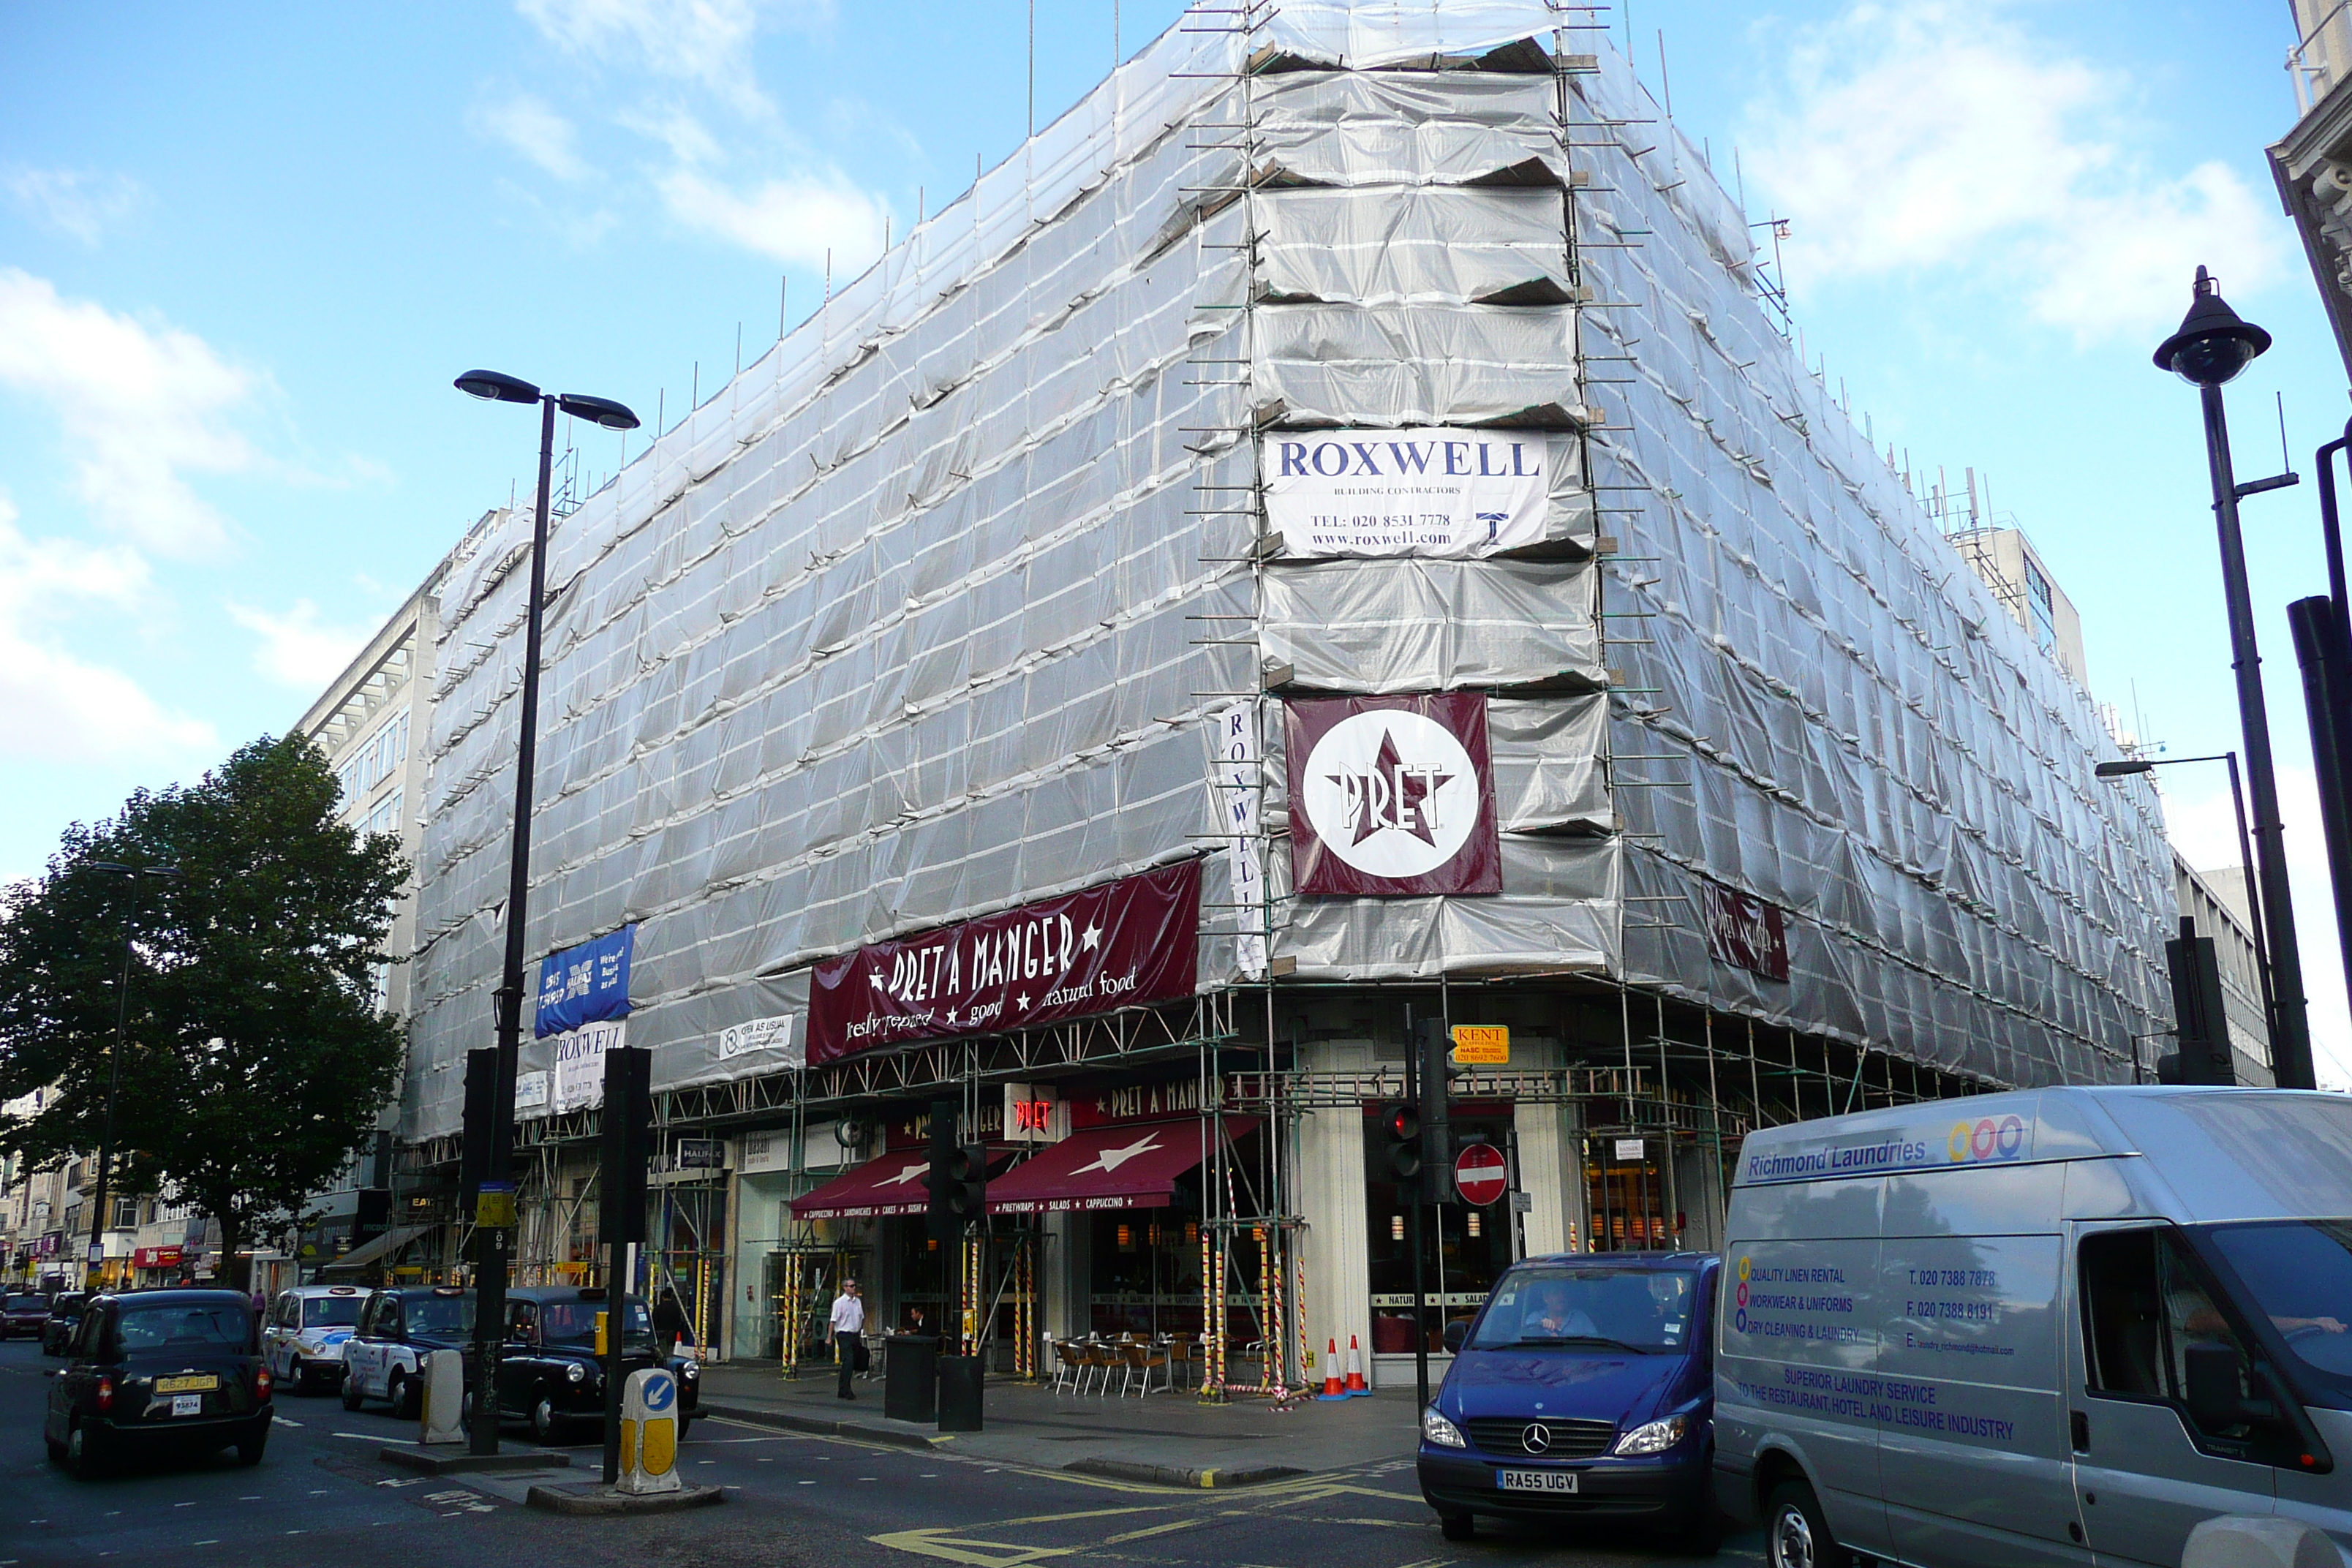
924 616
1853 728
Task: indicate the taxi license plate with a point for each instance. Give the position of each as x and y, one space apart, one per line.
186 1384
187 1405
1536 1480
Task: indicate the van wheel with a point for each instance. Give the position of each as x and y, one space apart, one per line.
353 1398
1457 1526
1795 1533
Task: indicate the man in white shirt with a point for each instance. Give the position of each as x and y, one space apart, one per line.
848 1333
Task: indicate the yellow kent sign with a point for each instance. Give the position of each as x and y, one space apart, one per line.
1482 1045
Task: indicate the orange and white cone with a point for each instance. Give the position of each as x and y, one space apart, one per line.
1357 1386
1332 1387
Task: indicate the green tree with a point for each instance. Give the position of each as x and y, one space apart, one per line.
254 1062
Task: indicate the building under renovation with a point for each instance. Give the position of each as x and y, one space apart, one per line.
1330 535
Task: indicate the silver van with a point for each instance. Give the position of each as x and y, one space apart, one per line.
2031 1328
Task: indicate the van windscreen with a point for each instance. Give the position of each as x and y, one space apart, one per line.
2298 1274
1585 1309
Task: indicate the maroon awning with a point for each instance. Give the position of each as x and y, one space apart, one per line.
891 1184
1128 1167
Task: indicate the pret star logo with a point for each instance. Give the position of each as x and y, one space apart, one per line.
1392 793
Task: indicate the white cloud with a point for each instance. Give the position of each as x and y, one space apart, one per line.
793 220
2203 821
56 708
705 43
296 650
76 202
527 124
1939 136
140 406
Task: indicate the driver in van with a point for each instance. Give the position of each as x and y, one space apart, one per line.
1549 1316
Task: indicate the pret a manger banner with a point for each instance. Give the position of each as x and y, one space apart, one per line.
1134 941
1392 796
1420 492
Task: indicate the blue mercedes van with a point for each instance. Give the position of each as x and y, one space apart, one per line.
1583 1390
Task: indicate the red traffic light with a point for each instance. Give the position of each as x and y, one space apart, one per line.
1404 1123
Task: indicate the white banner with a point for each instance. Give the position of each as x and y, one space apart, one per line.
580 1061
1237 785
774 1034
530 1091
1420 492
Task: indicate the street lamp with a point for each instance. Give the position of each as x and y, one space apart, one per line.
496 1139
2211 347
114 1056
2131 765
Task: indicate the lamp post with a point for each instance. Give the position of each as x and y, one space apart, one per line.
114 1059
496 1139
2210 348
2131 765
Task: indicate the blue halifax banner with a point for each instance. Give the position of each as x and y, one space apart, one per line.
586 984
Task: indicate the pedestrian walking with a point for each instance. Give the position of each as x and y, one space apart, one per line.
848 1334
670 1323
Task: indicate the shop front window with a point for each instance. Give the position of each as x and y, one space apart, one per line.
1147 1269
1465 1247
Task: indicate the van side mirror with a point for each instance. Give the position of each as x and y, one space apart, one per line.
1455 1333
2215 1398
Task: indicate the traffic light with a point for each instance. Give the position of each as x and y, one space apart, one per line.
957 1178
1437 1071
2202 1025
968 1182
628 1139
1401 1146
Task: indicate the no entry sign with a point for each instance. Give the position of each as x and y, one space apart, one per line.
1479 1173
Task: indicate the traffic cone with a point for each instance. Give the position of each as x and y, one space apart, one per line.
1357 1387
1332 1388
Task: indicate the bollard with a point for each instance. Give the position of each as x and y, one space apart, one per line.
649 1433
441 1415
2256 1540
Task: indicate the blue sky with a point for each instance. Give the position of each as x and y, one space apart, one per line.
242 254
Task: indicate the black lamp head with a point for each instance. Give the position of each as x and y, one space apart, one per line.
2124 769
492 386
612 415
2214 344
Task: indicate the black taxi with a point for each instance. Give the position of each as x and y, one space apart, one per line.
152 1370
548 1371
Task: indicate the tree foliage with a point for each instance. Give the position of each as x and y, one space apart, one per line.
254 1062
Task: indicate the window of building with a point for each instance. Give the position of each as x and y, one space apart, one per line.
2043 601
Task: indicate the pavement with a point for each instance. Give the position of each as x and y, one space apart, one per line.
794 1499
1171 1438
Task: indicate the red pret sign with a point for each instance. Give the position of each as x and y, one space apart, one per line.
1480 1175
1392 796
1746 931
1136 940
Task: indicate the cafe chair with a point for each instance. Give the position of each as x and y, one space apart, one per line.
1141 1359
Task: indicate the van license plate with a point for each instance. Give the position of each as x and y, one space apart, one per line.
1536 1480
187 1405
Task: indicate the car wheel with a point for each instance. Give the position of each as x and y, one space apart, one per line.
353 1398
57 1449
85 1452
546 1427
1795 1533
250 1449
403 1395
1457 1526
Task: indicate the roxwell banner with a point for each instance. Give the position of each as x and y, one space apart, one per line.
1421 491
1133 941
1392 796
